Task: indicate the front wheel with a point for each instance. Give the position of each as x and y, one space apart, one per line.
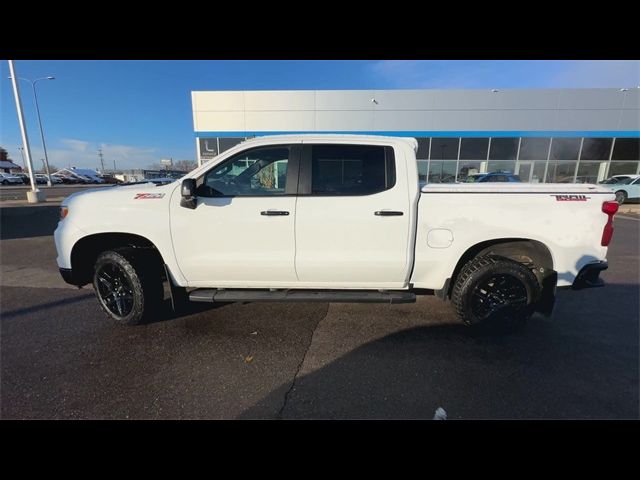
495 291
621 197
128 285
5 182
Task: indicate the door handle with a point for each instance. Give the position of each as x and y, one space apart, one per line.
279 213
388 213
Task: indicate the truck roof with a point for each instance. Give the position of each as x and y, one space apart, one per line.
337 137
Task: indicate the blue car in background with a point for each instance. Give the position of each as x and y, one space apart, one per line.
493 177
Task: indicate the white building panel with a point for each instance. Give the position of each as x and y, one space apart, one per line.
629 120
280 121
590 98
587 120
344 121
220 121
279 101
344 99
394 120
218 101
632 99
404 99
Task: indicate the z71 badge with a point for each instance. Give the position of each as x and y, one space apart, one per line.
571 198
148 196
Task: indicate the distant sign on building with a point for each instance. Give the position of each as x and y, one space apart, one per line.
208 148
166 161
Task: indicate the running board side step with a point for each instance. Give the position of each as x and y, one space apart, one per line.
250 295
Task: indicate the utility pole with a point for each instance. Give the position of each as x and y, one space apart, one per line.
24 164
114 165
34 195
101 160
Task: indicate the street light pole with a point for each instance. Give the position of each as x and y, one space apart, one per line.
44 146
35 195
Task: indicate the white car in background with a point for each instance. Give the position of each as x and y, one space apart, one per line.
7 178
627 189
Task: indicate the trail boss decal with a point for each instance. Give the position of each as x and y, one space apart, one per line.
148 196
571 198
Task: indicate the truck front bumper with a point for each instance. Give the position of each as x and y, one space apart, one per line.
589 276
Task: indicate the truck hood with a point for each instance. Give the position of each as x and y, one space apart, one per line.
118 192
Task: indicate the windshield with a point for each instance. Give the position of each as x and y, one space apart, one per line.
626 181
612 180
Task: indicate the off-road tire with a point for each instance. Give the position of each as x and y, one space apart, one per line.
145 277
481 270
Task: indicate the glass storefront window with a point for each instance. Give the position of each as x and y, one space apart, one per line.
423 148
501 166
423 167
596 149
444 148
561 171
468 167
565 148
623 168
503 149
626 149
442 171
537 175
474 148
591 172
534 148
227 142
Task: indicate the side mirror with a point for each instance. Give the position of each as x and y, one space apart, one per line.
188 192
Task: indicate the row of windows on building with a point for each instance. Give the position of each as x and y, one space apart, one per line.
534 159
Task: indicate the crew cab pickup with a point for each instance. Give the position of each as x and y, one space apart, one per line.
333 218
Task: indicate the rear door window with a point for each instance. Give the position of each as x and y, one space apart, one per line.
351 169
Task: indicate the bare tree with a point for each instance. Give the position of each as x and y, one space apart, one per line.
185 165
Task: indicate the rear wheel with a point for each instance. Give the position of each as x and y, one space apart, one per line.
621 196
128 285
495 291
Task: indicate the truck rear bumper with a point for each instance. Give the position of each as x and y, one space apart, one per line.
589 276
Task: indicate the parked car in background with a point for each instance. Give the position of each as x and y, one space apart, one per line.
41 178
10 179
492 177
617 179
24 177
64 179
626 190
110 179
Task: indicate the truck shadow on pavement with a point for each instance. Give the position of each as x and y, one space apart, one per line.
583 362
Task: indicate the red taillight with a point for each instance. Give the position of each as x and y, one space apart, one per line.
610 208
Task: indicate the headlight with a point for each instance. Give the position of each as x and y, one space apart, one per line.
64 211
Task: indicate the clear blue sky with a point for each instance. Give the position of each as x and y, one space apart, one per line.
140 111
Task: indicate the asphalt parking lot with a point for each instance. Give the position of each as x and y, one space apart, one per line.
62 359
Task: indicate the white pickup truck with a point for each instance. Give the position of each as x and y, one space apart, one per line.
333 218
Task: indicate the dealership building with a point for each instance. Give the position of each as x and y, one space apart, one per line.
542 135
